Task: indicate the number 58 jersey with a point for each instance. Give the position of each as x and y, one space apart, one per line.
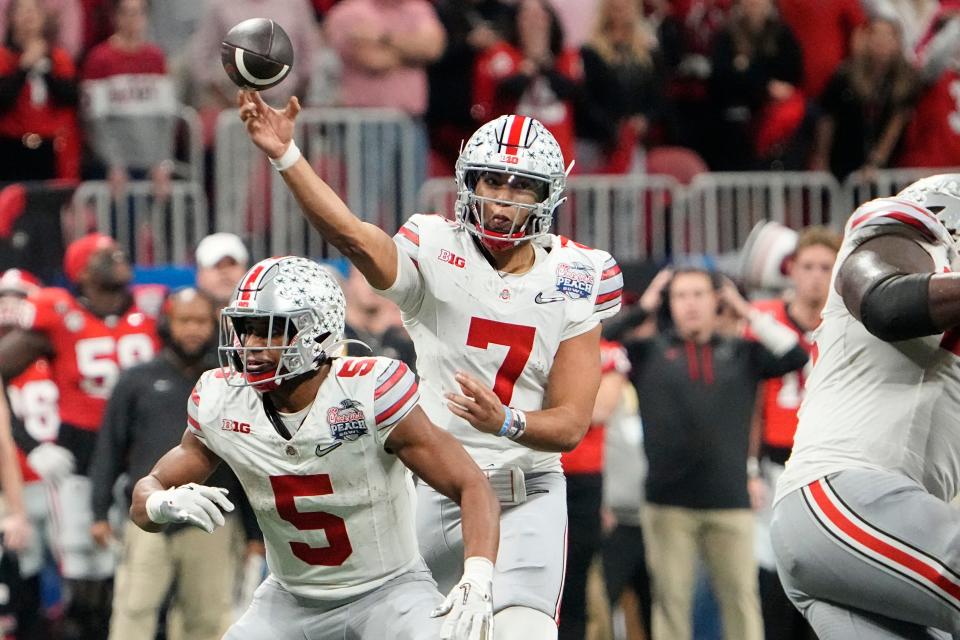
879 405
502 329
334 506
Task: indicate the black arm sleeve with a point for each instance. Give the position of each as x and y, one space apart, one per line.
615 328
897 307
110 453
771 366
10 87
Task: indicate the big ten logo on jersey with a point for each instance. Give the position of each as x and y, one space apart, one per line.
233 425
346 420
574 280
451 258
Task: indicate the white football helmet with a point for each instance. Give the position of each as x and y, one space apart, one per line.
302 304
519 147
940 195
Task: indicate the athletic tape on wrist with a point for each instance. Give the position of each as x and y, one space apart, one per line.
288 159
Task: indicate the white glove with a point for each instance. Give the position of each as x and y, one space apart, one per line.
469 606
52 462
192 503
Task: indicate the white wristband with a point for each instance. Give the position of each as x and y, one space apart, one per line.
478 569
155 507
288 159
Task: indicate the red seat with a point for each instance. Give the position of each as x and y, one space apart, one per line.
679 162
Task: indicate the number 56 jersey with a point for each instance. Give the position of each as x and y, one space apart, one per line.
502 329
335 507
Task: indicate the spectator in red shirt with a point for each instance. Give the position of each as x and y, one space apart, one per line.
824 30
583 468
530 73
130 106
38 99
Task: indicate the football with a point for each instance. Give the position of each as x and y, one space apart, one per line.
257 54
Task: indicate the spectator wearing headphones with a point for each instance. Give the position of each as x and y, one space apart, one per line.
145 417
697 389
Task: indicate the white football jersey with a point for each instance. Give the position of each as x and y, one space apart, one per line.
503 329
881 405
335 508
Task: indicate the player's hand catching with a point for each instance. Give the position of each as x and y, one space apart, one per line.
469 606
192 503
478 405
52 462
270 129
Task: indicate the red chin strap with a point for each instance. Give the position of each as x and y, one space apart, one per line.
261 382
500 241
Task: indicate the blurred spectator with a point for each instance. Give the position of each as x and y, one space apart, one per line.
129 103
222 259
576 18
38 100
624 560
386 47
809 269
374 320
622 88
214 90
866 105
472 26
697 390
531 73
686 36
144 419
932 138
824 30
757 67
913 17
583 468
66 23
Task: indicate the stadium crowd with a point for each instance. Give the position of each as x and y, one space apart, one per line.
669 492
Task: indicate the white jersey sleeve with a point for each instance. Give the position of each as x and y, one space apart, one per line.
408 289
395 396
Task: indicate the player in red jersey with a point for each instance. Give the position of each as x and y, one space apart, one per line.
809 270
88 339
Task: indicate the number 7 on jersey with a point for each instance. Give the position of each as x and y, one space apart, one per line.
517 338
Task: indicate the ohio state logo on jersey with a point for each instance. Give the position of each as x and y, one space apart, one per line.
346 420
575 280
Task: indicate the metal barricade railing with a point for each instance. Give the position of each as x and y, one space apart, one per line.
368 156
860 187
722 208
629 216
189 164
153 229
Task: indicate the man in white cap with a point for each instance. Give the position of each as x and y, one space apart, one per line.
221 261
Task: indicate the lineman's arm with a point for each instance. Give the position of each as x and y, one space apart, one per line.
889 285
368 247
188 462
19 348
568 406
438 459
16 527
